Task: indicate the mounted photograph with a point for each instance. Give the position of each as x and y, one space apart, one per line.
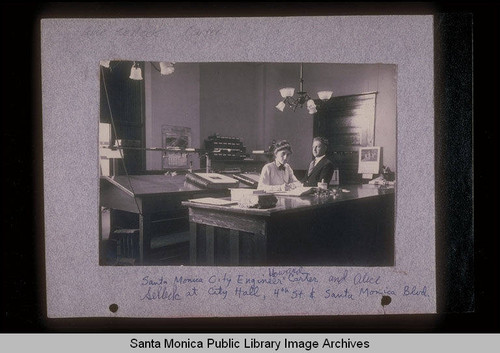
229 172
247 163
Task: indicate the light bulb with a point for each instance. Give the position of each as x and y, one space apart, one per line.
135 73
166 68
311 106
325 95
287 92
312 111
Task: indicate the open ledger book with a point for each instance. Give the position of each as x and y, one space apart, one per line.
300 191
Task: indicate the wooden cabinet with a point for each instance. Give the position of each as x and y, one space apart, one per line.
348 122
152 205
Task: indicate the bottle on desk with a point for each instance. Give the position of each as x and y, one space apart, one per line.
335 177
322 185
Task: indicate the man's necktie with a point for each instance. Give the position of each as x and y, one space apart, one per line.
311 167
281 167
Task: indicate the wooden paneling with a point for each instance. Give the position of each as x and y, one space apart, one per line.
223 219
348 122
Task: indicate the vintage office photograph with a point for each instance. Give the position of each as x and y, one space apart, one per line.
247 163
205 165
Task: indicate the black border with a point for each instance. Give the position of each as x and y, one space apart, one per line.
23 290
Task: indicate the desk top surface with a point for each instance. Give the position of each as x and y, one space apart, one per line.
144 185
291 203
152 184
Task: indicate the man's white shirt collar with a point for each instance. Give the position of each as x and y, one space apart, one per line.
317 159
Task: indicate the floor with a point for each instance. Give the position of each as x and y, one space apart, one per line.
172 255
169 250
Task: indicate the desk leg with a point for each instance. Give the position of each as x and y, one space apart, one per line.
192 244
261 248
210 246
144 237
234 247
207 235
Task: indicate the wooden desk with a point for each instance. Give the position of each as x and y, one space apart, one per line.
150 195
355 228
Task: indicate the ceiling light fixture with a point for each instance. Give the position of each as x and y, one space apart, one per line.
135 72
302 98
105 63
166 68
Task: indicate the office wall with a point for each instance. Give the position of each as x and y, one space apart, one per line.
385 115
229 103
342 79
239 99
171 100
295 127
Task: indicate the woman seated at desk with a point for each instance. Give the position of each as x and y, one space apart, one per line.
278 175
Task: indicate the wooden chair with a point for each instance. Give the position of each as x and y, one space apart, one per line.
127 246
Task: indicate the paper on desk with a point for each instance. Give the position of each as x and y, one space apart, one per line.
214 201
300 191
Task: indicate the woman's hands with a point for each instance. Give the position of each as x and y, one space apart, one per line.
291 186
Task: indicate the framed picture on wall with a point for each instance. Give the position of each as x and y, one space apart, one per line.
369 160
175 137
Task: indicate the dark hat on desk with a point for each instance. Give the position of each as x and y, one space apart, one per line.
282 145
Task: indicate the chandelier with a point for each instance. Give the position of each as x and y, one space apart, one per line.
302 97
166 68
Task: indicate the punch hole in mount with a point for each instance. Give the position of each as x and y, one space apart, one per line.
113 308
386 300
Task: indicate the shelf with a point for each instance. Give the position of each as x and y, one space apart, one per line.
169 240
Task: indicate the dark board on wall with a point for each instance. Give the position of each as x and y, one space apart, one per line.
348 122
121 104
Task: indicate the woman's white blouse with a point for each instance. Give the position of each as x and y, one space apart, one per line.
274 179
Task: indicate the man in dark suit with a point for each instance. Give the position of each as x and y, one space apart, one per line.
320 168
